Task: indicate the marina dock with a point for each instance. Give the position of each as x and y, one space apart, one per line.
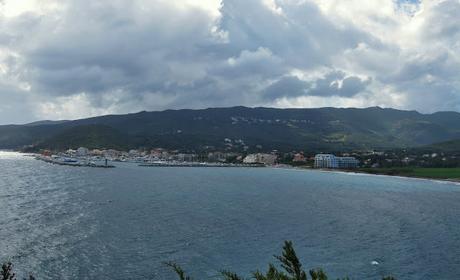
197 164
73 162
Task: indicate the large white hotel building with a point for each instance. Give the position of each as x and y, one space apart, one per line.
331 161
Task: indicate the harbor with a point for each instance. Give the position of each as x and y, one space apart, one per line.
198 164
84 157
104 163
73 162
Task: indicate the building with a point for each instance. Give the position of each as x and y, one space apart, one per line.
82 152
186 157
134 153
71 152
267 159
97 152
217 157
111 154
331 161
251 158
326 161
299 158
347 162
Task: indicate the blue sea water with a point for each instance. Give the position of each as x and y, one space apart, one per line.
123 223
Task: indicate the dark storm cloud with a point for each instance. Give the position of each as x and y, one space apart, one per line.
159 53
286 87
123 56
302 36
336 84
332 84
115 50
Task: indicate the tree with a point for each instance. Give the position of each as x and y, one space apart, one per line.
179 271
8 274
290 263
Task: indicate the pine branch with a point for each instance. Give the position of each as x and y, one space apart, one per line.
291 263
230 275
7 272
179 271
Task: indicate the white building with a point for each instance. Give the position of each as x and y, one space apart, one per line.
267 159
252 158
347 162
134 153
82 152
111 154
331 161
326 161
71 152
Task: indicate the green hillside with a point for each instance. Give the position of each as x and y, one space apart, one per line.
322 129
448 146
90 136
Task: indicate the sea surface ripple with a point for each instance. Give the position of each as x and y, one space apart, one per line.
84 223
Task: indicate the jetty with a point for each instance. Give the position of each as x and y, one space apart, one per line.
72 162
197 164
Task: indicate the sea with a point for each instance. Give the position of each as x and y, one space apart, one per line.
60 222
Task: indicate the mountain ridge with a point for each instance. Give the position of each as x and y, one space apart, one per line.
318 129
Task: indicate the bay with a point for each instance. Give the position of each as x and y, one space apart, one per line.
84 223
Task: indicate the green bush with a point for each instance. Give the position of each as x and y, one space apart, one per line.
289 262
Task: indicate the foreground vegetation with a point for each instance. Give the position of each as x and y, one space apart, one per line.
7 273
289 262
418 172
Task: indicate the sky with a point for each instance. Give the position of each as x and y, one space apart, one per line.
69 59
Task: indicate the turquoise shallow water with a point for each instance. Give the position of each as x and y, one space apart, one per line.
83 223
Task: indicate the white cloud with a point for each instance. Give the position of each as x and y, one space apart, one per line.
14 8
77 58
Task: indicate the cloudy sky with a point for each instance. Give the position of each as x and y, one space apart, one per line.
67 59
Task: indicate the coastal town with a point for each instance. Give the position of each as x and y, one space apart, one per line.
367 161
155 158
427 164
164 158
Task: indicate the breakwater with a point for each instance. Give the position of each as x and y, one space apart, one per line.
197 164
73 162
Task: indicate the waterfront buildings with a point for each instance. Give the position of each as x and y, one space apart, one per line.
186 157
331 162
82 152
267 159
217 157
347 162
326 161
299 158
111 154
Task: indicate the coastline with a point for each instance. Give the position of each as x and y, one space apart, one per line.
358 172
340 171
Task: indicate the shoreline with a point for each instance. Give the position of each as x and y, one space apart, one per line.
358 172
288 167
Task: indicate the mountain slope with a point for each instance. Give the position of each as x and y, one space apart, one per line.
322 129
90 136
452 146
